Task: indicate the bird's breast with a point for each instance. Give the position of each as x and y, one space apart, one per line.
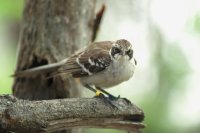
116 73
121 71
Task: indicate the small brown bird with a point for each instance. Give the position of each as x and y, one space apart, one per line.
102 64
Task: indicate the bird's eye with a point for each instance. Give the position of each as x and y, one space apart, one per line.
130 53
115 50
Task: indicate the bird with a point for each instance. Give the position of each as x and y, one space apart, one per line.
99 66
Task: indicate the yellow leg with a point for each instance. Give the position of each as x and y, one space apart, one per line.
98 93
102 91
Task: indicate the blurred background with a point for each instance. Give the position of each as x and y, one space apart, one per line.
166 39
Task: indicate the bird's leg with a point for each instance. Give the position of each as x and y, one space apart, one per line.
110 96
97 92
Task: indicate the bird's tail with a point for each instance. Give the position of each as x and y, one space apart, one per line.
50 68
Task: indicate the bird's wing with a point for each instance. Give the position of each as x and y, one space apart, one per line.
92 60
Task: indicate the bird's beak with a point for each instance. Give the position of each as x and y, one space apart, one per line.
135 61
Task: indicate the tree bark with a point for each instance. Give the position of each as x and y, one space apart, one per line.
51 115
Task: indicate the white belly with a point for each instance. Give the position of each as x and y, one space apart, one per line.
115 74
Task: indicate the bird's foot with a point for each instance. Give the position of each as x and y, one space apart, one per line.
112 97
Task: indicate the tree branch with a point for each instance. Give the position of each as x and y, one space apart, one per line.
52 115
97 21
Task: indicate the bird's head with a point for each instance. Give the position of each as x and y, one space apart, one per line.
122 49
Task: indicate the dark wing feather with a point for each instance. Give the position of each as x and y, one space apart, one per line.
93 60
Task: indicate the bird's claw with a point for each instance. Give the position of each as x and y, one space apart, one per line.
111 97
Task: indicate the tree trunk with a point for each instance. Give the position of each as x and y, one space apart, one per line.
51 31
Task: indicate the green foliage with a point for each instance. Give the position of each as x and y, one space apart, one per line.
7 68
11 8
197 23
10 12
171 67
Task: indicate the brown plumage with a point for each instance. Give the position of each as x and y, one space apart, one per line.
97 52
